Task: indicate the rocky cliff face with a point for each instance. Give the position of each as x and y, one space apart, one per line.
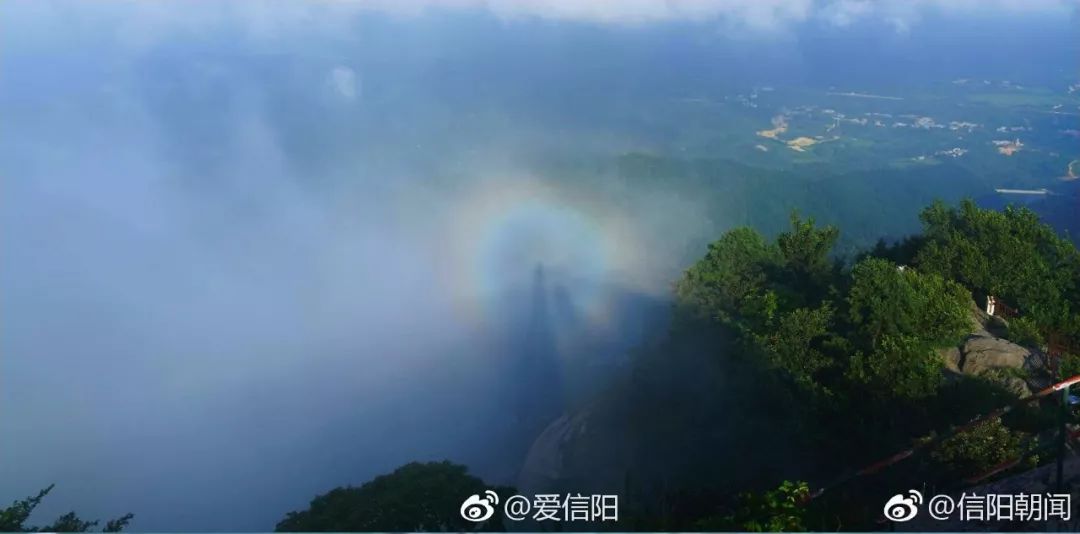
550 456
681 417
584 451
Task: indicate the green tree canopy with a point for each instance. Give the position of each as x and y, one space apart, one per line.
899 316
779 510
804 252
415 497
1009 254
859 356
732 273
799 345
888 300
744 281
14 517
979 449
900 366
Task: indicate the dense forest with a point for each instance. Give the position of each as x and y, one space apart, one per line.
787 364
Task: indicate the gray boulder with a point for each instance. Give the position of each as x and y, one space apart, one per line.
1020 368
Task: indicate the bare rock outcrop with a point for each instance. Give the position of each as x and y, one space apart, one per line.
584 451
986 355
549 456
